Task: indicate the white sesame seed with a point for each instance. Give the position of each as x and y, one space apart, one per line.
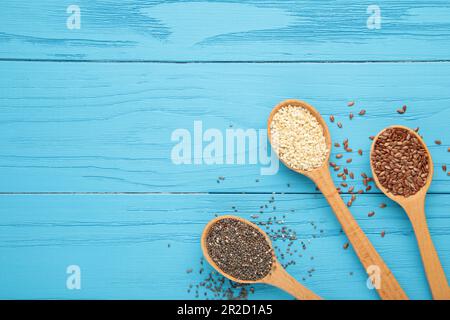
298 138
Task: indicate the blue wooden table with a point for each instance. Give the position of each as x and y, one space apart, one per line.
88 114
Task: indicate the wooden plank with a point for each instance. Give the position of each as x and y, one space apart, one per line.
88 127
209 30
141 246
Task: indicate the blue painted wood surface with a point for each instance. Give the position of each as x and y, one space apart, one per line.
87 176
225 30
82 127
121 243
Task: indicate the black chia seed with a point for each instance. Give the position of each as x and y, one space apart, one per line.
239 250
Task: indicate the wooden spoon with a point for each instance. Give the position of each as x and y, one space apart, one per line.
278 277
389 289
414 206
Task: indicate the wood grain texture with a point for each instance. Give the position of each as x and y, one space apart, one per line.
121 244
367 254
106 127
414 206
281 279
84 127
437 279
364 249
226 30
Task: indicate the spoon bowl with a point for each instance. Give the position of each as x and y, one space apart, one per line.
414 206
398 198
316 114
277 277
365 251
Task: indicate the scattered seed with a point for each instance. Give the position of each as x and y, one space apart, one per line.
331 118
346 245
383 205
349 160
383 233
401 111
372 137
339 156
337 144
350 116
371 214
351 103
339 124
360 152
362 112
444 168
438 142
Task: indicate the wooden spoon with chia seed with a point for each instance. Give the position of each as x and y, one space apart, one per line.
276 275
389 289
412 203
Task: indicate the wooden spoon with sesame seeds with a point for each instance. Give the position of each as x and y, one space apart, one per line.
277 277
414 205
389 289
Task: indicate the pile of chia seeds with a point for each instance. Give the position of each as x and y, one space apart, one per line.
239 249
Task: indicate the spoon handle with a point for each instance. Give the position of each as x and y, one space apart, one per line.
389 288
433 268
283 280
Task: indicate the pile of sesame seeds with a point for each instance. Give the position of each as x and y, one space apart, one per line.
298 138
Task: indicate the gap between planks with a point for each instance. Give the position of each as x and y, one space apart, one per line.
186 193
222 61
